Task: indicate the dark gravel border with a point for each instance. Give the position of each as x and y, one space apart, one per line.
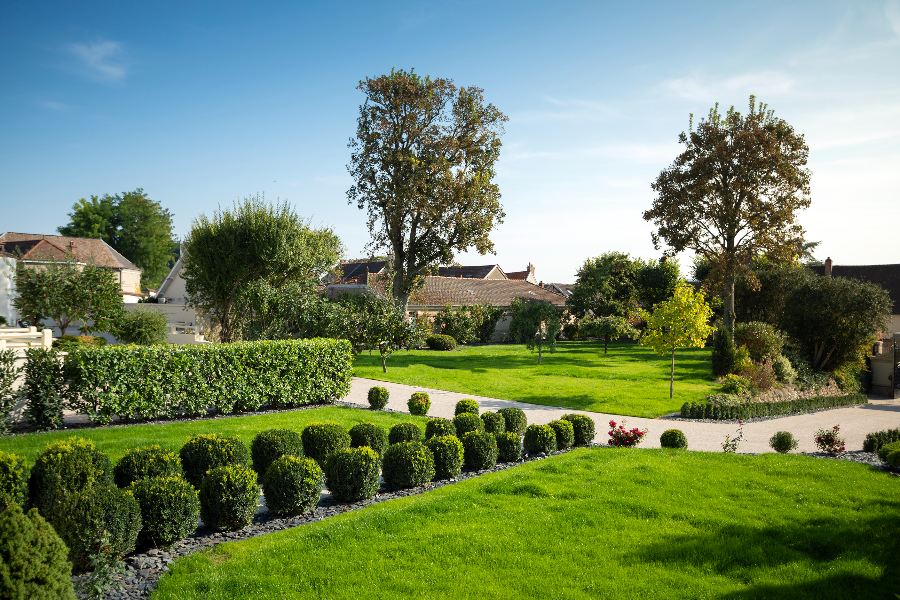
677 416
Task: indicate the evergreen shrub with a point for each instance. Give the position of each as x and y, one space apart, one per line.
749 410
877 439
466 405
63 469
97 510
887 449
9 372
515 419
272 444
407 465
761 340
440 342
44 388
418 404
783 442
229 497
493 422
479 450
371 435
208 451
565 433
351 474
893 458
673 438
33 563
404 432
292 485
13 479
322 439
448 456
438 427
784 371
509 447
378 397
539 439
169 509
143 463
583 427
144 327
466 422
723 360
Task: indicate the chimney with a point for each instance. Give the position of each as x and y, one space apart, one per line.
828 267
73 248
530 269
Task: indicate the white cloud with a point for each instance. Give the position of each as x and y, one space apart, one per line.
102 59
709 89
58 106
892 12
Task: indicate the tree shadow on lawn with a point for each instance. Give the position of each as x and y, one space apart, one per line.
735 551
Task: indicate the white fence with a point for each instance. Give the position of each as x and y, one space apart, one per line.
20 339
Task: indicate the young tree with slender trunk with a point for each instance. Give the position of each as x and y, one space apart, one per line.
733 194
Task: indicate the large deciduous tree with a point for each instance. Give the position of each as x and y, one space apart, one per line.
733 193
423 165
139 228
255 241
605 286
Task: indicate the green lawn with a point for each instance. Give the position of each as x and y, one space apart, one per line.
115 440
594 523
630 380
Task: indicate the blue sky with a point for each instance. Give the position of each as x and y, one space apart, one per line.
202 103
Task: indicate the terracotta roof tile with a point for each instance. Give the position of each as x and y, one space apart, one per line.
94 250
440 291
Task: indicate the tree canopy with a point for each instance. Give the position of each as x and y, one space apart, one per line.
535 323
254 241
139 228
605 286
733 193
423 166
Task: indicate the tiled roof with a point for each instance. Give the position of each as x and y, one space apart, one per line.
94 250
479 272
887 276
517 275
563 288
358 272
440 291
38 249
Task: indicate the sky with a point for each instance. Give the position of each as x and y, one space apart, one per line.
203 103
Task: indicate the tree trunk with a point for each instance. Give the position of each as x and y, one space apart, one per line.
606 344
729 302
672 376
383 364
539 354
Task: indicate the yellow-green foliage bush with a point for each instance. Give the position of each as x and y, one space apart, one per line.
208 451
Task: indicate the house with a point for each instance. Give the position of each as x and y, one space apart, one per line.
357 272
185 325
526 275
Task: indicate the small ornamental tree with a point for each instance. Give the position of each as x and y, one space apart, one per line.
609 327
682 322
537 324
372 322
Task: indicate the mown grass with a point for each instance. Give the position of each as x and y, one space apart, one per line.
594 523
630 380
115 440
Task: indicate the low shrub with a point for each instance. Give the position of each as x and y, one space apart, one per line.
479 450
378 397
351 474
467 422
736 384
44 388
830 441
539 439
584 428
887 449
877 439
99 510
784 372
33 563
228 497
807 377
515 418
742 359
404 432
63 469
9 373
169 509
320 440
509 447
272 444
893 458
749 410
292 485
143 463
418 404
13 479
67 343
143 326
760 376
371 435
208 451
762 341
624 438
494 422
466 405
783 442
673 438
439 427
448 456
565 433
408 464
440 342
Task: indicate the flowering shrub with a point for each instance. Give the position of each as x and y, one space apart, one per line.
624 438
829 442
730 445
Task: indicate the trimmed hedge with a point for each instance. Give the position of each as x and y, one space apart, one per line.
565 433
99 509
208 451
750 410
146 462
516 420
539 439
448 456
783 442
673 438
352 474
439 427
44 388
466 405
583 427
33 563
293 485
509 447
148 382
228 497
404 432
493 422
64 469
272 444
440 342
467 422
418 404
371 435
479 450
13 479
877 439
320 440
407 465
887 450
378 397
169 509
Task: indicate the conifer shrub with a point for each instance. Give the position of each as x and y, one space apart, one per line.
13 479
723 358
783 442
272 444
208 451
351 474
146 462
407 465
439 427
378 397
292 485
479 450
515 419
673 438
466 405
877 439
33 563
784 371
509 447
371 435
418 404
539 439
583 426
893 458
448 456
63 469
228 497
466 422
322 439
404 432
565 433
169 509
887 450
97 510
493 422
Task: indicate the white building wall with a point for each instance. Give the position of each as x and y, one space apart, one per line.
8 289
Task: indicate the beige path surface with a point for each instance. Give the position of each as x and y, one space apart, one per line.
855 422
